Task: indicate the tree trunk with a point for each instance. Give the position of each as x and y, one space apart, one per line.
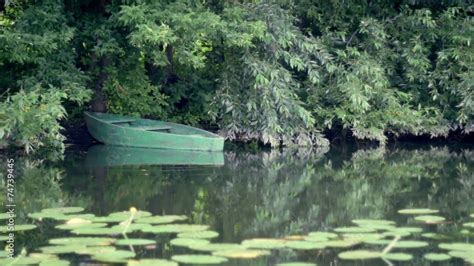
170 76
98 104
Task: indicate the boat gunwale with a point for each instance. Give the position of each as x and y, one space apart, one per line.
213 136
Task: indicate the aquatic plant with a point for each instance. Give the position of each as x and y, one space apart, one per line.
114 245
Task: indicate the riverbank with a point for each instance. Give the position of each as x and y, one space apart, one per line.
76 134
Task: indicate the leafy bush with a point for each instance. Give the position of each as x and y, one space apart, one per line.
30 120
276 72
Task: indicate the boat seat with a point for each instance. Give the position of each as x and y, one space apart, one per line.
116 121
152 128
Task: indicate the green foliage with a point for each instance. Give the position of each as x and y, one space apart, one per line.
38 74
30 119
129 90
258 97
391 65
276 72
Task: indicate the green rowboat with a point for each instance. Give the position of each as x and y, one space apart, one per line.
128 131
109 155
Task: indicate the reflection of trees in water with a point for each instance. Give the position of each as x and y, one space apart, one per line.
256 193
129 186
272 194
38 186
262 194
160 189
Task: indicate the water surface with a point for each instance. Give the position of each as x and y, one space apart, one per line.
245 195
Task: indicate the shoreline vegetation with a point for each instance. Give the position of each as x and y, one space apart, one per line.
275 73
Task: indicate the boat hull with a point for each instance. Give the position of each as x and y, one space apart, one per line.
180 137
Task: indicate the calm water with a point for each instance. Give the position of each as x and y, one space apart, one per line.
246 195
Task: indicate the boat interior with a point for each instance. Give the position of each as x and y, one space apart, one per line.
152 125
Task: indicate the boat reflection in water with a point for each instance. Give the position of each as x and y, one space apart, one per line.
108 155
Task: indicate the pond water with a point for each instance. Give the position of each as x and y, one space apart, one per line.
281 196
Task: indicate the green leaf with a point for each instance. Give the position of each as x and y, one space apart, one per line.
187 242
436 256
417 211
199 259
305 245
151 262
134 242
359 255
199 234
264 243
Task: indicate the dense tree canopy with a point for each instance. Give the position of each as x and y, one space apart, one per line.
277 71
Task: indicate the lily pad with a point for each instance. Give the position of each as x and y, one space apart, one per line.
95 250
471 225
19 227
436 256
354 229
296 237
323 234
408 229
117 256
217 247
97 231
43 256
241 253
109 219
430 219
66 217
264 243
45 215
399 244
129 228
402 231
76 226
19 261
433 236
362 237
4 216
199 234
296 264
82 241
124 215
372 222
199 259
314 238
457 246
62 249
187 242
305 245
397 256
359 255
78 221
166 219
418 211
466 255
151 262
54 262
175 228
341 243
64 210
135 242
378 226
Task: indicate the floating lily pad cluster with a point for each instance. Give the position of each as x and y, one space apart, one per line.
106 239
